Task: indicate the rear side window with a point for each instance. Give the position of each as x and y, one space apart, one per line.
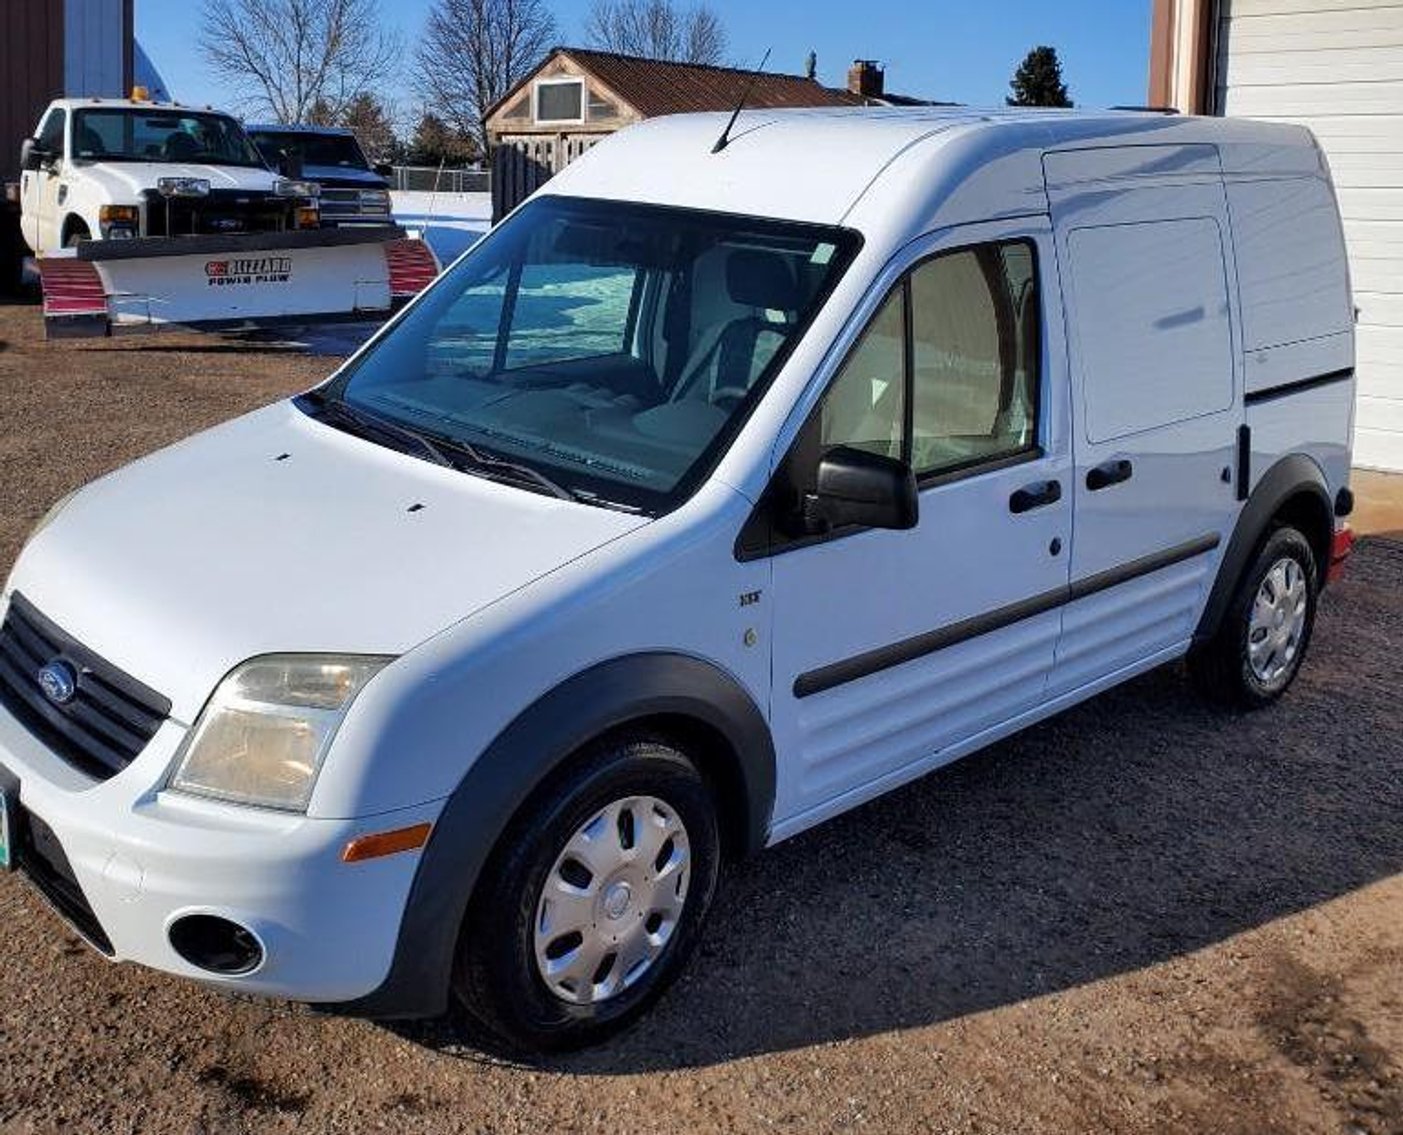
1152 324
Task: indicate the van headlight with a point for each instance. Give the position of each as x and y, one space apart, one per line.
262 737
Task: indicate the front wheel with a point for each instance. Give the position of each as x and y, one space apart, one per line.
1258 651
593 900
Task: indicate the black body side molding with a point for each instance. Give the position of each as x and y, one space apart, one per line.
1293 476
908 650
1300 386
605 697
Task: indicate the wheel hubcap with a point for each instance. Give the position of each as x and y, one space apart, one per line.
612 900
1277 622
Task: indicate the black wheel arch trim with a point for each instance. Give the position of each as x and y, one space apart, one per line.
1292 476
595 702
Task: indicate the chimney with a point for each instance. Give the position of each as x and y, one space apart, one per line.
866 78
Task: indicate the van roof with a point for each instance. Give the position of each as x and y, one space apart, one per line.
868 167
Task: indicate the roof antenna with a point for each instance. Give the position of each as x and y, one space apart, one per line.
725 139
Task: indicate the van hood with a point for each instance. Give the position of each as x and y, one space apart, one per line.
278 534
124 182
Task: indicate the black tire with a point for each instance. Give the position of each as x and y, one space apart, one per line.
1222 668
497 978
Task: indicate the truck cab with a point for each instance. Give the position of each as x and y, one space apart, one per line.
353 190
114 169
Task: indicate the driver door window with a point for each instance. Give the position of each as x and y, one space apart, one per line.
51 136
946 375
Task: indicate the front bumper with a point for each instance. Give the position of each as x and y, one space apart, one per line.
141 858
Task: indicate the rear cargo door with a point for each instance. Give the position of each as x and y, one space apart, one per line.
1145 256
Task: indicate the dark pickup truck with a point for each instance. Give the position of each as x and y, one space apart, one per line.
353 190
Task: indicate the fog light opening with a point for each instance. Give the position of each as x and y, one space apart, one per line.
216 945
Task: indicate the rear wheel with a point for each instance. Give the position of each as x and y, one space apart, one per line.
593 901
1262 642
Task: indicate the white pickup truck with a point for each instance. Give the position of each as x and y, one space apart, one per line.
147 214
116 169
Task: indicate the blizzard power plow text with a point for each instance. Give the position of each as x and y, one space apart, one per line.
233 282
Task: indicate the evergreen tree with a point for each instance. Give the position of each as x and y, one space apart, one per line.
1038 80
367 119
435 143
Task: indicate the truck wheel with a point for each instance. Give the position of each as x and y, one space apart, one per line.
593 900
1266 630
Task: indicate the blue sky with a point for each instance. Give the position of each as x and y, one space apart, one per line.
963 51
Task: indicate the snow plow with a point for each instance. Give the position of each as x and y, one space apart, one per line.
223 283
148 215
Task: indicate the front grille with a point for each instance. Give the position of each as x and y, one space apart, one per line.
222 211
111 716
42 860
340 202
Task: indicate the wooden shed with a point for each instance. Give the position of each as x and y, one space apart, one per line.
578 96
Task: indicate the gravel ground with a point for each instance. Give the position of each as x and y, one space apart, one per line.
1143 915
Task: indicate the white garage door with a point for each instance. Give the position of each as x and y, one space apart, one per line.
1337 67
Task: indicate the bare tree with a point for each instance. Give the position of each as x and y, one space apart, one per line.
474 51
657 29
286 56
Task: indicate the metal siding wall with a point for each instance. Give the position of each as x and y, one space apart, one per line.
1338 68
95 51
31 72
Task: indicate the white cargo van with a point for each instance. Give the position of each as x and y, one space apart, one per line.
715 492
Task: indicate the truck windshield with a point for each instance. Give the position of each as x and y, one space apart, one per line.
337 150
111 134
615 348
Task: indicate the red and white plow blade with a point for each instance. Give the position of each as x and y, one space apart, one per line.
231 282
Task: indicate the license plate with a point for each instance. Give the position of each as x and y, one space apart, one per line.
7 856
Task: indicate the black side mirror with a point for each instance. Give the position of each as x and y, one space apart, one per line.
863 489
384 169
290 164
33 156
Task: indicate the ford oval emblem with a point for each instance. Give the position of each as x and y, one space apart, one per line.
59 682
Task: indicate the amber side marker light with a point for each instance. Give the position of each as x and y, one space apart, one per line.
386 843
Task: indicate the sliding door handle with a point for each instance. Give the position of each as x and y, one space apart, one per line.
1039 495
1111 473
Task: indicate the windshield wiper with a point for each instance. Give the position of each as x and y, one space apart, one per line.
369 420
446 451
490 464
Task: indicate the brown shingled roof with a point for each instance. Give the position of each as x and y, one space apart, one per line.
654 86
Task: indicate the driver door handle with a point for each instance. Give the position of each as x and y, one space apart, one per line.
1038 495
1111 473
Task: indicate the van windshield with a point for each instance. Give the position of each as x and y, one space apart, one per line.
611 349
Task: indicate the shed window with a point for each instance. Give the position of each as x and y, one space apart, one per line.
560 100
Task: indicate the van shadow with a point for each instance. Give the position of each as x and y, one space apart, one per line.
1133 829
